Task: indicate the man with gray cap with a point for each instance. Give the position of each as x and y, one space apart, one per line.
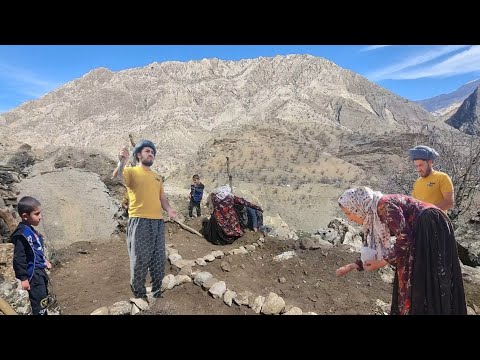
146 227
434 187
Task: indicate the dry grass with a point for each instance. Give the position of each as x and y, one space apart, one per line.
292 170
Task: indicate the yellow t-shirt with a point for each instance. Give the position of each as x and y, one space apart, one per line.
144 188
430 188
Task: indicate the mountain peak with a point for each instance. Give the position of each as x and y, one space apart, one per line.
443 103
467 117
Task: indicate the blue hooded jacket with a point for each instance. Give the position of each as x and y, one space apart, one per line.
28 253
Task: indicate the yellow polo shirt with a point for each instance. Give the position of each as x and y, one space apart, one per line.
430 188
144 188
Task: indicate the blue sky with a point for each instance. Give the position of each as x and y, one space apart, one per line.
415 72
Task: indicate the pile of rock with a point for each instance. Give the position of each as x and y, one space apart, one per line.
338 232
12 169
468 241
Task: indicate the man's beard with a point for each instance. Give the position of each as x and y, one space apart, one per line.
146 162
427 172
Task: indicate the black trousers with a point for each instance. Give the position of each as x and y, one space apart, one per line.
437 283
38 292
191 206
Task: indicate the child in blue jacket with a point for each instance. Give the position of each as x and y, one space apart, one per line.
196 194
29 260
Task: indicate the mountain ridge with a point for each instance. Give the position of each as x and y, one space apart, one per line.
467 117
292 114
444 103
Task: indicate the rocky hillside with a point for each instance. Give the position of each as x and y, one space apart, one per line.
284 122
445 103
298 130
467 117
183 105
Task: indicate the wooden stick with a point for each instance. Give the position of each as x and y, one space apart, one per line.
6 308
133 161
229 175
132 141
188 228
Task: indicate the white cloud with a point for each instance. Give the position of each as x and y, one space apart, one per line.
25 82
373 47
467 61
393 71
472 81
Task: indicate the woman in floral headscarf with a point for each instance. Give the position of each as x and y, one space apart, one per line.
223 227
417 239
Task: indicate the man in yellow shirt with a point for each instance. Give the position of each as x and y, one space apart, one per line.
434 187
146 227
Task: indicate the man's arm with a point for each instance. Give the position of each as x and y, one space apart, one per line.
447 202
166 206
446 188
118 172
20 258
122 156
242 201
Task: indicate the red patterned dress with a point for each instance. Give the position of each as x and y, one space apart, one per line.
428 275
224 226
400 212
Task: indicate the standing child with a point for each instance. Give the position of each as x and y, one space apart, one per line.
29 261
196 194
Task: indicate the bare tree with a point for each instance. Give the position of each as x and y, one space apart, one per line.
459 158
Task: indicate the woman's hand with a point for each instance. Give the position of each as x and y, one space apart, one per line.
371 265
344 270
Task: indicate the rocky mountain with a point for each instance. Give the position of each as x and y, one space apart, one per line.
467 117
283 121
298 130
183 104
445 103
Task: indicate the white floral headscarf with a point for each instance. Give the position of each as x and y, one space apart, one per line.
363 201
222 192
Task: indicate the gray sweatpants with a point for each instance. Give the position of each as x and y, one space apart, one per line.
146 248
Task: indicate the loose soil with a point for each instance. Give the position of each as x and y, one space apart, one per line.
91 275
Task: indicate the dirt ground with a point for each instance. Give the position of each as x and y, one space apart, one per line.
93 275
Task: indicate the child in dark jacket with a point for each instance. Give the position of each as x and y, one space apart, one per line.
196 194
29 261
